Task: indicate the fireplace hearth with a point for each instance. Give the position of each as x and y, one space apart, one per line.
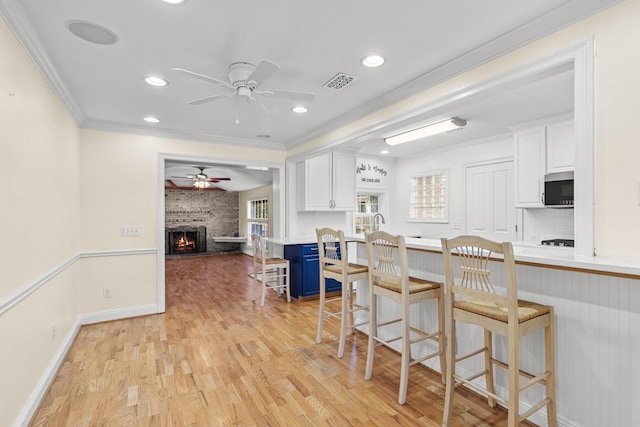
185 239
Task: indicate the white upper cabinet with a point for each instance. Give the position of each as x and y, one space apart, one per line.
561 147
529 167
541 148
327 183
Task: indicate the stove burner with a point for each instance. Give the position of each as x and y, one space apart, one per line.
558 242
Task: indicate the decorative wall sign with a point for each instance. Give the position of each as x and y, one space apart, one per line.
372 173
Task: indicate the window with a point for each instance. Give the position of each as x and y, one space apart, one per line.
258 217
428 197
367 208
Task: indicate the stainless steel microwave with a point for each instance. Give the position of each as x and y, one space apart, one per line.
558 189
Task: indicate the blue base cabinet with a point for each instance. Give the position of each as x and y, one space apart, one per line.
305 271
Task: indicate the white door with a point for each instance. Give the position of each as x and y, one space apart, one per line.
489 207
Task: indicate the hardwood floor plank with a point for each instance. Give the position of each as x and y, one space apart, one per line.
216 358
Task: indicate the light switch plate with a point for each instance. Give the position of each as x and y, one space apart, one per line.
130 231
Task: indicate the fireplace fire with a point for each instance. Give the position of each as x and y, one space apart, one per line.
185 243
185 240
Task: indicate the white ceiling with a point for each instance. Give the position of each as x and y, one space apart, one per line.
423 42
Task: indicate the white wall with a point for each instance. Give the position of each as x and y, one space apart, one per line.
454 161
377 175
39 169
131 198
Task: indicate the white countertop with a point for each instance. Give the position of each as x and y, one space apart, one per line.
529 253
292 240
552 256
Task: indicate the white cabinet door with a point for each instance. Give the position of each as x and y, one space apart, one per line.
327 183
489 210
344 182
560 147
529 167
317 183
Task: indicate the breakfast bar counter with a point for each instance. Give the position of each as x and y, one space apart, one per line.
543 256
597 308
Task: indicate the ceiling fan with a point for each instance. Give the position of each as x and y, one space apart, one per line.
245 80
201 180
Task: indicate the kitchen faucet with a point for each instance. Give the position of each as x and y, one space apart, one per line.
376 221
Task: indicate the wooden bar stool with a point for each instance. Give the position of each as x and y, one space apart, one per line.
472 299
269 270
389 277
332 250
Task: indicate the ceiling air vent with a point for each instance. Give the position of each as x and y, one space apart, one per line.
339 81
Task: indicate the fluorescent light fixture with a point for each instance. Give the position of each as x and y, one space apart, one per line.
174 1
257 168
151 120
422 132
384 152
372 61
299 109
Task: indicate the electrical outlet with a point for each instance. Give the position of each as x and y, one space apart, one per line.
106 292
52 331
130 231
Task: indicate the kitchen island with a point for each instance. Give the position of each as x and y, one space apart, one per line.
597 307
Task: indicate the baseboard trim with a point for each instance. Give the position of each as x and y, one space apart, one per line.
123 313
30 407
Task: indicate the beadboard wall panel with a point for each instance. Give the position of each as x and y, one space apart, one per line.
597 338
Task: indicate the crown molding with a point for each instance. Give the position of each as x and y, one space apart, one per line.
185 135
28 38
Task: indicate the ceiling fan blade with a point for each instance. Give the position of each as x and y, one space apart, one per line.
183 177
210 98
296 96
263 71
219 179
203 77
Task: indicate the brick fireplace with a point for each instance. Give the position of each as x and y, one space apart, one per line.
214 213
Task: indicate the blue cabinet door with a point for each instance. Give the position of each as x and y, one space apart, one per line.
310 275
305 271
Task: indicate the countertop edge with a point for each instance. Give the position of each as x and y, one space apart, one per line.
525 254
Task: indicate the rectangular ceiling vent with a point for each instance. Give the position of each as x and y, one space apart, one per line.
339 81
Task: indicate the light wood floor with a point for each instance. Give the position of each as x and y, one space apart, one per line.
215 358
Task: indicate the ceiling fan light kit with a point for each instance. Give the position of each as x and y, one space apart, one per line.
447 125
201 180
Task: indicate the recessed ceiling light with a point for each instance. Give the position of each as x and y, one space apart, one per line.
384 152
174 1
299 109
151 120
257 168
92 33
156 81
372 61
